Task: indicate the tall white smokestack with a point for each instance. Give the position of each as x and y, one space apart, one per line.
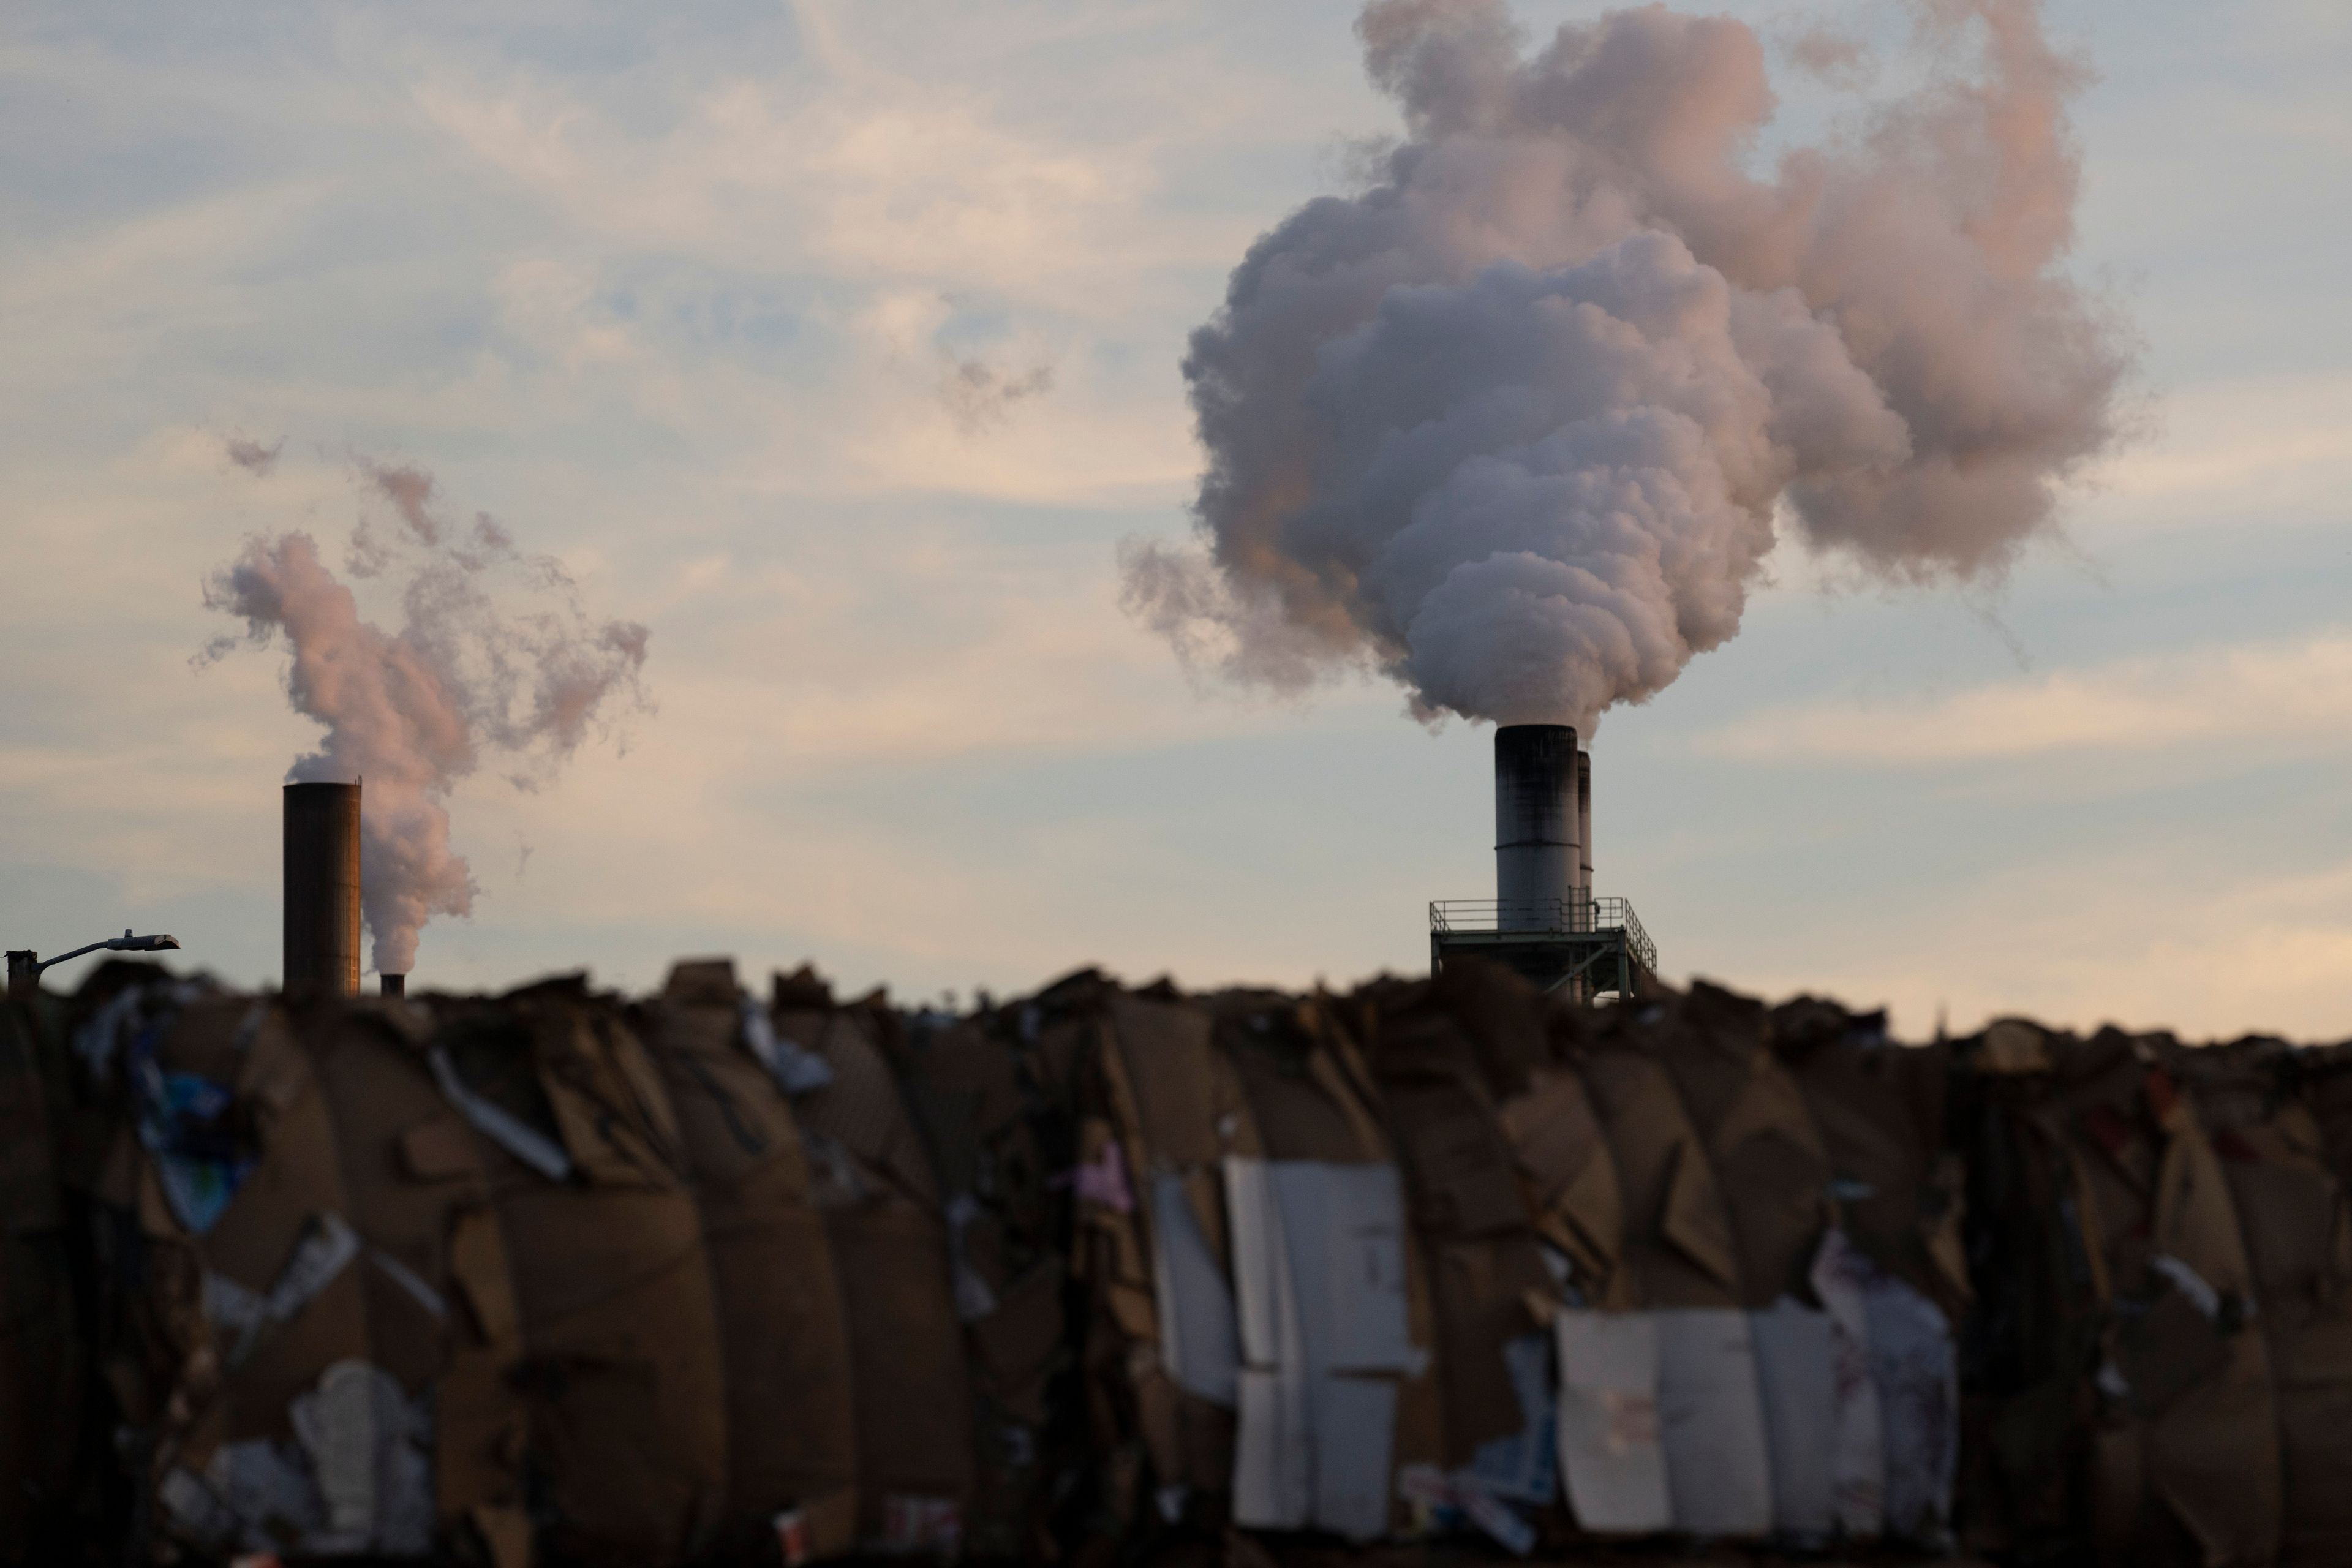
1537 856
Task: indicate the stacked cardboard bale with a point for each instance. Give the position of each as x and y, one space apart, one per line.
988 1128
1710 1367
1161 1112
782 1335
523 1278
1713 1308
1257 1321
1880 1113
2294 1214
621 1373
890 1237
1661 1422
41 1339
418 1282
1127 1274
2123 1394
1443 1054
278 1401
1339 1397
1823 1446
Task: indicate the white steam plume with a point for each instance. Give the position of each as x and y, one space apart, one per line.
411 712
1513 424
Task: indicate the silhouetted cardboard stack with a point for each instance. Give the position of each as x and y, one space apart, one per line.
1104 1273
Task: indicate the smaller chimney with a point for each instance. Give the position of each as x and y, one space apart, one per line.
322 890
1584 826
394 984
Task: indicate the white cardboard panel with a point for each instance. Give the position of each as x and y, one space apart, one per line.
1858 1466
1916 1369
1272 1461
1197 1339
1319 1278
1266 1313
1355 1422
1525 1465
1711 1422
1611 1458
1799 1382
1345 1227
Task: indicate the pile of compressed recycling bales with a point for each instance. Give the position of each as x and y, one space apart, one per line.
1115 1274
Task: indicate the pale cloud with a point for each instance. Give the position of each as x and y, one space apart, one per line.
553 306
2292 697
2266 439
890 180
2146 939
903 322
917 204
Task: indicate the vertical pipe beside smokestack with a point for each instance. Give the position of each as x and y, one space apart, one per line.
1535 853
1584 826
322 890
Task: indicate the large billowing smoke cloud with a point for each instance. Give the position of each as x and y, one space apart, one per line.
1515 426
495 659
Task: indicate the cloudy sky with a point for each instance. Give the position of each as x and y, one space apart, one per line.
836 341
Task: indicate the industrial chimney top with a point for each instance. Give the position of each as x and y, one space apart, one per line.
1544 920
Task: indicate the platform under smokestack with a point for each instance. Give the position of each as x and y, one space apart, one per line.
322 890
1545 921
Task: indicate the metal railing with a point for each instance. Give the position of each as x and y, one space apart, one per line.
1547 917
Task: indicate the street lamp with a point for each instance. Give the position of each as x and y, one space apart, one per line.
24 965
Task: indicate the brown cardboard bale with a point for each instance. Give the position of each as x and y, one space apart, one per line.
859 1114
2324 1074
296 1183
1769 1165
278 1420
2191 1466
1465 1201
790 1405
2297 1222
905 1346
1569 1182
42 1351
622 1380
1879 1108
1307 1086
1509 1023
1188 1105
978 1118
415 1190
1163 1105
1677 1234
2040 1308
874 1183
1314 1098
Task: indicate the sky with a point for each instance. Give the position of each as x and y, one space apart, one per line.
838 343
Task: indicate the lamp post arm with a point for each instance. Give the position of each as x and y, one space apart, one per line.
126 943
60 958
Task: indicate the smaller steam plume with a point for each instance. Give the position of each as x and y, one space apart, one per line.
252 456
1836 58
978 395
495 659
